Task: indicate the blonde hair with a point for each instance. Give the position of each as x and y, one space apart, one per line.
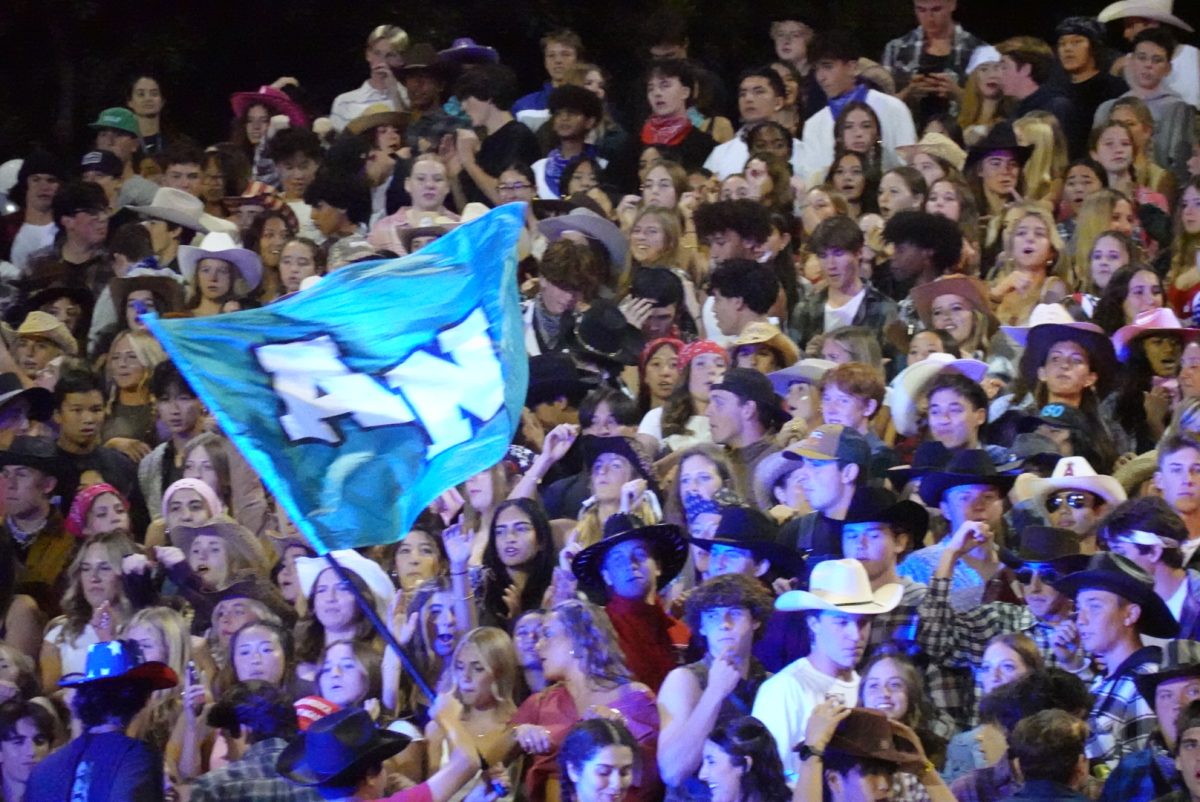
971 111
77 612
1094 218
1062 260
473 518
594 642
499 656
1185 245
1048 161
394 35
149 355
172 629
672 227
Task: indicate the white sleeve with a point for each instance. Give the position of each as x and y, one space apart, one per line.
652 424
778 706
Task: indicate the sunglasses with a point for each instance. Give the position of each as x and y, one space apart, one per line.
1048 573
1076 501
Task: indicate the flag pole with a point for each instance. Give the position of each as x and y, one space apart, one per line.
368 607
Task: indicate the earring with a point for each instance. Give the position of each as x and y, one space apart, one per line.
572 652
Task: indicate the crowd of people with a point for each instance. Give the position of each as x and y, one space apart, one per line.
860 456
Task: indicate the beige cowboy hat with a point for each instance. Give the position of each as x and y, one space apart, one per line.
44 326
183 209
761 333
841 586
1160 10
935 144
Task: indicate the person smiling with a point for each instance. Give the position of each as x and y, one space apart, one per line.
740 764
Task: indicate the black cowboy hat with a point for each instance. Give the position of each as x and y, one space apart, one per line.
971 466
1116 574
1102 358
336 745
604 336
929 456
41 400
1047 545
1000 137
42 455
1181 658
81 296
553 376
628 447
876 505
747 528
666 541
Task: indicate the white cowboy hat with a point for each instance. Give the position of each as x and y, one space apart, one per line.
905 393
219 245
1044 315
1070 473
841 586
1150 9
369 571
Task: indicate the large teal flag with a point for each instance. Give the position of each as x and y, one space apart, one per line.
361 399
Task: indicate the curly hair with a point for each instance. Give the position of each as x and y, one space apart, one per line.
729 590
594 641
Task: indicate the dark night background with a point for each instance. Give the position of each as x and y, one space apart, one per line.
64 60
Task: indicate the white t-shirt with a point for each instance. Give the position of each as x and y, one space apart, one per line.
844 314
786 700
31 238
652 425
730 157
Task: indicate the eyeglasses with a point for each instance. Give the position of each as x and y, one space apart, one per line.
1048 573
512 187
1076 501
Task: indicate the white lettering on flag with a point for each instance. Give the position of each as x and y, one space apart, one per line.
316 386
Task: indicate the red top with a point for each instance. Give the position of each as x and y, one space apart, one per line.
651 639
418 793
555 710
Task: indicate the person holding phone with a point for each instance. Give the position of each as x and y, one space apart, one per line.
930 62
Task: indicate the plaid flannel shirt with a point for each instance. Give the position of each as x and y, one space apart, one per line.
252 779
1147 774
948 687
1121 721
902 56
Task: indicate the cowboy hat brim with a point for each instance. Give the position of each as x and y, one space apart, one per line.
884 600
1147 684
175 216
308 569
1138 8
41 401
666 541
1106 487
170 290
156 675
396 119
809 371
593 227
1102 359
770 470
1156 619
293 763
1125 336
784 560
241 101
936 483
248 266
906 515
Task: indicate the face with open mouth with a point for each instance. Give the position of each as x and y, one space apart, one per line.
209 558
1031 247
1163 352
721 774
343 679
515 537
441 626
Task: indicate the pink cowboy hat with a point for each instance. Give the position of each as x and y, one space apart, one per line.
276 100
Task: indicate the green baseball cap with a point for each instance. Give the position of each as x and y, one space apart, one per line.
118 118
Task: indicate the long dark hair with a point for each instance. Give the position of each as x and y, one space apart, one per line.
310 632
540 568
747 737
875 155
583 741
1110 309
872 174
1136 380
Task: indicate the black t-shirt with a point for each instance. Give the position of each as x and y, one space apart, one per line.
511 142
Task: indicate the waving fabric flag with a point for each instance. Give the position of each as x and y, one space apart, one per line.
361 399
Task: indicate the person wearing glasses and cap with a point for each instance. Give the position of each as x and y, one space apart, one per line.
1073 497
1147 532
